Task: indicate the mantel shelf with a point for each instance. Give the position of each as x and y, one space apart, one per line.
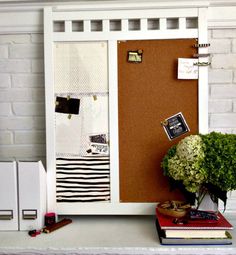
105 235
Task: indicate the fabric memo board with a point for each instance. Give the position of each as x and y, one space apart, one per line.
148 93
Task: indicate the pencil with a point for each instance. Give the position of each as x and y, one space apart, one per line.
57 225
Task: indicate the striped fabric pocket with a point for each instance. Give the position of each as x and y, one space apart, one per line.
83 179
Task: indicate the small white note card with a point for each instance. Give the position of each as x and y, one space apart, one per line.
187 69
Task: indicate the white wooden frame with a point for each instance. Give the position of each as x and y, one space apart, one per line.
67 15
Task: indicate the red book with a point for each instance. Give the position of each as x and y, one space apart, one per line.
166 222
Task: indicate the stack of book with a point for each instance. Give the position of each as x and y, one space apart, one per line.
193 232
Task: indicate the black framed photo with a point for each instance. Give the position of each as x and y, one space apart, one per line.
175 126
100 138
135 56
67 105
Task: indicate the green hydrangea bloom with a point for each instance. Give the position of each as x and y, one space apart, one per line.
186 164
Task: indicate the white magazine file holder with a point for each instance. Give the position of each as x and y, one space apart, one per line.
8 196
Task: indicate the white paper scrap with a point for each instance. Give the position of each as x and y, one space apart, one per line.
187 69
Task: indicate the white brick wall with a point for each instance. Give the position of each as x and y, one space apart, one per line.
5 80
27 80
22 109
220 46
224 33
222 81
220 76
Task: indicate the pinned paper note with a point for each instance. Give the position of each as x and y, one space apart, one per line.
187 68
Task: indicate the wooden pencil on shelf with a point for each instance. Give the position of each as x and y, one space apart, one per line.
57 225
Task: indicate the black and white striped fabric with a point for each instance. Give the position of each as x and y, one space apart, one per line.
83 179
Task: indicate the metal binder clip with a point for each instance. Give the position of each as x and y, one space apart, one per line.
202 45
202 64
203 55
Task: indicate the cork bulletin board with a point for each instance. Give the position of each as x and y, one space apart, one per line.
148 93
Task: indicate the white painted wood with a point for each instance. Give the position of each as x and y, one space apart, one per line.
87 27
111 235
113 120
163 24
35 6
203 74
106 208
127 33
143 24
222 17
125 14
124 25
68 26
134 5
81 4
49 107
105 25
21 22
182 23
222 24
25 18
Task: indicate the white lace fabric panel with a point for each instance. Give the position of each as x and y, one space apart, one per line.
95 119
68 133
80 67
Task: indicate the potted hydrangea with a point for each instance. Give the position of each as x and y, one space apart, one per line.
203 164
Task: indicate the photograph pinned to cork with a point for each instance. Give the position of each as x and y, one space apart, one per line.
175 126
135 56
187 69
